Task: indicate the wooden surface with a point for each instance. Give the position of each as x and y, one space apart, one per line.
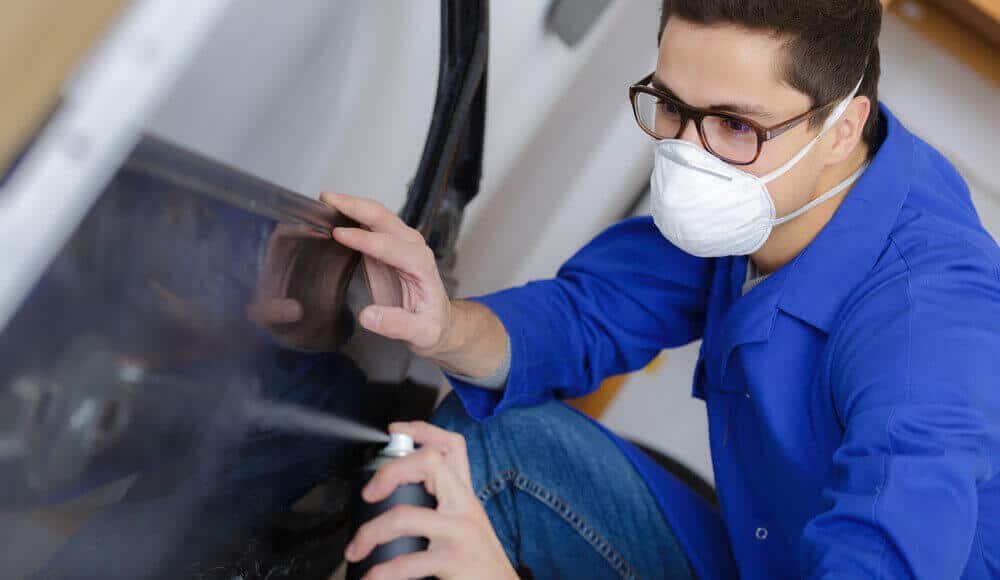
943 28
596 403
981 16
41 43
989 8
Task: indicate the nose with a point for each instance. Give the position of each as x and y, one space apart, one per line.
690 133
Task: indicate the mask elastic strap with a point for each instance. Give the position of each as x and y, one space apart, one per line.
826 196
830 122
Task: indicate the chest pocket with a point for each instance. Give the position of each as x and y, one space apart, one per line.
707 379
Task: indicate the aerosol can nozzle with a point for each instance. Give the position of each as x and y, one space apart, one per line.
399 444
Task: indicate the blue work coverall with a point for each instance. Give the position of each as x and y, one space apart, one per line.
853 397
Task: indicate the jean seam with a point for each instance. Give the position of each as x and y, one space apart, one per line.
556 504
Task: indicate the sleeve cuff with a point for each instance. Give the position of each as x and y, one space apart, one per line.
482 403
496 380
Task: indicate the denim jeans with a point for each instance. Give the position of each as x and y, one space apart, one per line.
563 499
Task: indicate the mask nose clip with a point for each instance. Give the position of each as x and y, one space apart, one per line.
700 167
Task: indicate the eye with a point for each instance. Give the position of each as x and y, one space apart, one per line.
667 107
736 126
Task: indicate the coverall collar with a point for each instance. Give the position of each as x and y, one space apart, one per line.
822 277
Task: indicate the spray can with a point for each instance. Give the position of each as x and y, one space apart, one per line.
400 445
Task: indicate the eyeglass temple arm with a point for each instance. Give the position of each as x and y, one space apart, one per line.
792 123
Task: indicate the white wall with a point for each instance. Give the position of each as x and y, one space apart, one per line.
563 158
314 94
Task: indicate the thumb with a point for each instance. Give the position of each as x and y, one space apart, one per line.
392 322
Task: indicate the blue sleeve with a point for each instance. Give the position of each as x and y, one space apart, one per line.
914 378
611 309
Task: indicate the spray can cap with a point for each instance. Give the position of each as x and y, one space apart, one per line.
399 444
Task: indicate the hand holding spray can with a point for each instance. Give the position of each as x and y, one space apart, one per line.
400 445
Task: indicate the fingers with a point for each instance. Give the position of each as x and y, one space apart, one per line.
401 521
401 324
409 256
459 530
416 565
425 466
450 444
371 214
390 322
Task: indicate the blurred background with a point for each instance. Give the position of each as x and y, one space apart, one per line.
318 95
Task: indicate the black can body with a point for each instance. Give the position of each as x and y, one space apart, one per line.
362 511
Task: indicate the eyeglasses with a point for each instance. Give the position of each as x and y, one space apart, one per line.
731 138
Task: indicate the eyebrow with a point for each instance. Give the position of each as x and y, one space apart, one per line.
735 108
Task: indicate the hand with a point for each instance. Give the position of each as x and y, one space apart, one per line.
411 303
462 541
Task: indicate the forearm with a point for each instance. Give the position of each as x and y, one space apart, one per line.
477 342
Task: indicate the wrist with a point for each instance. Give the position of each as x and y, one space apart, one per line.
476 342
453 340
454 329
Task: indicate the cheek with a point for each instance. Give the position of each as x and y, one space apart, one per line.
794 189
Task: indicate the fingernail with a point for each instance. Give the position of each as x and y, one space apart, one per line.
292 311
366 493
349 552
370 318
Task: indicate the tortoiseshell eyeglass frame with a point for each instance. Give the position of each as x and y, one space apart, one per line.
687 112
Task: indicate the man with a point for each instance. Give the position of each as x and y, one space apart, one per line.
849 305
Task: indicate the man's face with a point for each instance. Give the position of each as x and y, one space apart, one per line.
738 71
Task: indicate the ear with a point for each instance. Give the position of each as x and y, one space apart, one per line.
846 136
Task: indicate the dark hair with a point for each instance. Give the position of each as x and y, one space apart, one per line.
831 43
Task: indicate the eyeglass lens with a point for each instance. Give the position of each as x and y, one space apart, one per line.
727 137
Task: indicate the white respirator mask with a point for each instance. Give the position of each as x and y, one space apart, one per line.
711 209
